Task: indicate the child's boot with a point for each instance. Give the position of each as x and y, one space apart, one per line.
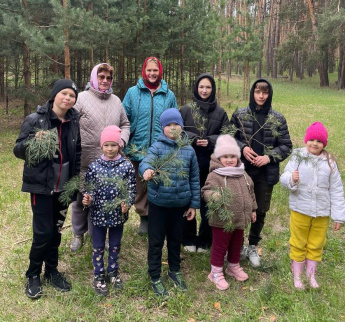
297 270
217 277
311 271
236 271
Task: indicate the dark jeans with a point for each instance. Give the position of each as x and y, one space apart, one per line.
222 242
204 239
48 218
164 222
263 194
98 244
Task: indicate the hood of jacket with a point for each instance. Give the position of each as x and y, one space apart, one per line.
267 106
211 102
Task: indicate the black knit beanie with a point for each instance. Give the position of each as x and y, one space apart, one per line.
61 84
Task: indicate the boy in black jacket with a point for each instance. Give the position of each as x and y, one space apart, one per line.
264 139
44 181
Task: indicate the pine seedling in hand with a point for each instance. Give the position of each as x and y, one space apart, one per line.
229 129
44 146
219 205
299 158
71 187
120 185
199 120
169 163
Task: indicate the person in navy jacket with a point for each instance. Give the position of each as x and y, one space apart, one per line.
170 203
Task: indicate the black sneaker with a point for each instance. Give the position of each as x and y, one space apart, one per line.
159 289
176 277
58 281
115 279
33 288
100 285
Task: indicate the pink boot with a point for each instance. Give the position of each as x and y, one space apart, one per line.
236 271
311 271
297 270
217 277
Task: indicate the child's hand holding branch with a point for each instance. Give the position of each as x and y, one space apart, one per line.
86 200
124 207
190 213
148 174
295 176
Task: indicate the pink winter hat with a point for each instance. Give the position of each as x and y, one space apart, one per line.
226 144
111 133
316 131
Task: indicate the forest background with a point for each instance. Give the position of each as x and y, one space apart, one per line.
287 41
42 41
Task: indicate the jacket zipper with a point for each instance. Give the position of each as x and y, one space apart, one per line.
151 119
58 180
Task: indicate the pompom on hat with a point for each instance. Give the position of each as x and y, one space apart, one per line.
61 84
316 131
111 133
171 115
226 144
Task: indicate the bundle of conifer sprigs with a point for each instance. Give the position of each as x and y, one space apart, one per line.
169 163
219 205
42 146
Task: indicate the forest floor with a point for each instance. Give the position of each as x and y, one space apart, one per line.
268 295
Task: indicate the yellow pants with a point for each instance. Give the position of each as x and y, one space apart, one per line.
308 236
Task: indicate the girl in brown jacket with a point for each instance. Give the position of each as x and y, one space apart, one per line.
227 177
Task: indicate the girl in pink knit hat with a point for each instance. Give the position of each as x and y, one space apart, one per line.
316 193
111 177
227 172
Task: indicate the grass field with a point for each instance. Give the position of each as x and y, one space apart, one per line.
267 296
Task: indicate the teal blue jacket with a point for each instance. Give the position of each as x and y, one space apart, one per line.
183 190
143 111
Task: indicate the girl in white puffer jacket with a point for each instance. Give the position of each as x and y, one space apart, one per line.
316 192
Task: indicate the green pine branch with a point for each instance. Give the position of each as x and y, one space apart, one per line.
219 205
121 186
44 146
199 120
133 150
169 163
71 187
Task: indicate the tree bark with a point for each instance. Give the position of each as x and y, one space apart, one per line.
66 45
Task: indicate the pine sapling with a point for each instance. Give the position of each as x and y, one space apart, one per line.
44 145
219 205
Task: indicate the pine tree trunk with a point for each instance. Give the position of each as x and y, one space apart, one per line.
183 89
2 78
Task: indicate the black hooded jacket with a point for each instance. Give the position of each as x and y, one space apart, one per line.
273 135
40 178
204 120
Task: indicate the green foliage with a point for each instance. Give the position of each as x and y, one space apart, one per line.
199 120
219 206
42 146
164 166
121 187
132 150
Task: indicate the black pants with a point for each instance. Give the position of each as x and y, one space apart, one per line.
48 218
263 194
204 239
164 222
